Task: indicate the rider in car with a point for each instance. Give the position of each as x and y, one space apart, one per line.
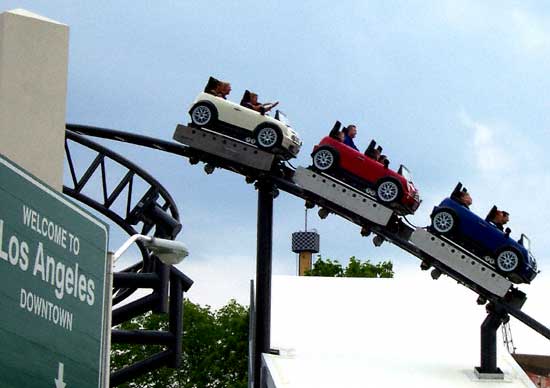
462 197
349 134
499 218
250 101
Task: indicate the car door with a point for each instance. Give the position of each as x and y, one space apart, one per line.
481 234
240 116
351 160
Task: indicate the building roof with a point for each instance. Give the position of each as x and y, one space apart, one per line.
341 332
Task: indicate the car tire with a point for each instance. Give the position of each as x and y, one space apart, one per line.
268 137
444 221
508 260
203 115
325 159
388 191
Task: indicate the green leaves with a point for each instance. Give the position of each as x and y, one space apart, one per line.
355 269
215 348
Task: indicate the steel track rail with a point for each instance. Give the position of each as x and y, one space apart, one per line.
281 176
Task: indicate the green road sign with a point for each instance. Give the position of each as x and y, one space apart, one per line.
53 263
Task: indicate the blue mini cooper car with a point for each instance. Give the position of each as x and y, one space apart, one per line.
511 258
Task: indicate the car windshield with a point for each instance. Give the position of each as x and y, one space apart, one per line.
282 118
524 240
405 173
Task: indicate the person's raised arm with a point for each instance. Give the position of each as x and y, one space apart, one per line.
270 105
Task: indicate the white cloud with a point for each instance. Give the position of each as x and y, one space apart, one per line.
520 28
529 30
490 155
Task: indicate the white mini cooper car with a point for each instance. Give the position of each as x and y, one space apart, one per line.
270 133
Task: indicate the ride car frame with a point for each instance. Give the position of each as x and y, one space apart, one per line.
273 134
511 258
391 188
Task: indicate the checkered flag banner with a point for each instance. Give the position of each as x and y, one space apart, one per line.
305 242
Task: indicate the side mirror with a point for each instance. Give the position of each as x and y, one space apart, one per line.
507 232
386 163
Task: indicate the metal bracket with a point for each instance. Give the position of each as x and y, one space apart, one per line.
461 261
224 146
343 195
489 369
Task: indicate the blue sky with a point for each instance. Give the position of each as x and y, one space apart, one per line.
456 90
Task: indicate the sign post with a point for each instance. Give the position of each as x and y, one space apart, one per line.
53 265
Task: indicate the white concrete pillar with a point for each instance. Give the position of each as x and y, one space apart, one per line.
33 91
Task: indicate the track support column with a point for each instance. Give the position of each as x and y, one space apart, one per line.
262 329
488 369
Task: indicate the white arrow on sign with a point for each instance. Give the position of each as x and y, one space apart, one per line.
59 383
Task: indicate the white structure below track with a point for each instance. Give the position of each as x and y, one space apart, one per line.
343 195
224 146
461 261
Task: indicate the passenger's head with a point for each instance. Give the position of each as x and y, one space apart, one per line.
341 136
217 90
225 88
253 98
351 130
501 217
464 198
382 158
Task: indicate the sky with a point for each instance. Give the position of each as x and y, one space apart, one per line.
455 90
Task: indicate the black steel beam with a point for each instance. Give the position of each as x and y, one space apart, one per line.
140 368
495 318
163 272
144 337
135 308
263 275
176 319
186 282
136 280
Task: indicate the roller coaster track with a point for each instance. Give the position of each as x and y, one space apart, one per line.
134 208
281 176
138 203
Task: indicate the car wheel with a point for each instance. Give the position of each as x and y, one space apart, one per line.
202 115
388 191
508 260
324 159
268 137
444 221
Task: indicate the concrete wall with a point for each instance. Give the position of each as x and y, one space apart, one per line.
33 90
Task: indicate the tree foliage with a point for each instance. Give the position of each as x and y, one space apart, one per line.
215 348
354 269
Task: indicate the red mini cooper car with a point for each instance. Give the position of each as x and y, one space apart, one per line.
364 172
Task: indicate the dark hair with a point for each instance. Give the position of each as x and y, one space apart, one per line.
349 127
